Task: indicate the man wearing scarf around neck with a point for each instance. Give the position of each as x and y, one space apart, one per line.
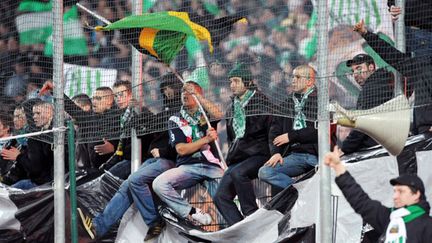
197 157
293 139
247 135
407 222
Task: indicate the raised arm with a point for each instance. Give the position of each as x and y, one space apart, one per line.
386 51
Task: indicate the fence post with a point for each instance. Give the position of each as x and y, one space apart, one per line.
325 219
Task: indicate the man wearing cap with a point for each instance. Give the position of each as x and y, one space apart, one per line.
248 151
407 221
376 87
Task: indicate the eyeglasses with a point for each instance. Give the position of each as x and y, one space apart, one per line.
120 94
97 97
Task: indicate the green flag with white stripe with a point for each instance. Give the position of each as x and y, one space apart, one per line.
348 12
75 43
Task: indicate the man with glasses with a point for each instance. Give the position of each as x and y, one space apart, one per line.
376 87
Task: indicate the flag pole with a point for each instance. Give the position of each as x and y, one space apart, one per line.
222 160
101 18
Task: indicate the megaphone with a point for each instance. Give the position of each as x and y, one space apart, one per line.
388 124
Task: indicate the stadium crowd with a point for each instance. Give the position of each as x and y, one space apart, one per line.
271 68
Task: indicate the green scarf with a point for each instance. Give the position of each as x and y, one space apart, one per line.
300 117
239 119
194 121
396 229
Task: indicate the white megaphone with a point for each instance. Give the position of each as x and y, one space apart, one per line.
388 124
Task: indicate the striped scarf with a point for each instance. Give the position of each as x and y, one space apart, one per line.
239 119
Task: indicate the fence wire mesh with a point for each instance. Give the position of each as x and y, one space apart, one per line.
278 37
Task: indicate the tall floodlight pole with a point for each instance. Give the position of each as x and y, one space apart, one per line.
137 92
325 219
58 186
399 30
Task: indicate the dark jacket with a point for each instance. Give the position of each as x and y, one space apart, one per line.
378 216
38 161
255 139
300 141
418 71
377 90
418 13
95 126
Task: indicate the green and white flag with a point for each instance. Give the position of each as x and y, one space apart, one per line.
349 12
34 28
34 22
34 6
75 43
83 79
196 58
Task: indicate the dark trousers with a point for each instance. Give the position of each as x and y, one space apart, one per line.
237 180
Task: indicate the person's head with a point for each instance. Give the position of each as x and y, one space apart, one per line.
5 125
187 99
83 101
362 66
103 99
42 114
19 118
240 78
408 189
303 79
122 93
170 86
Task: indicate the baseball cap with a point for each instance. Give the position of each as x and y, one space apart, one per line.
411 180
359 59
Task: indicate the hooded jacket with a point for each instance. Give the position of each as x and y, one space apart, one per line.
378 216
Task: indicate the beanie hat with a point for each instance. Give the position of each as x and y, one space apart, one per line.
242 71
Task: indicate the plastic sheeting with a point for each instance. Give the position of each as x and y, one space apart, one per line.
291 216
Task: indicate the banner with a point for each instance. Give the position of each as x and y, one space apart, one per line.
83 79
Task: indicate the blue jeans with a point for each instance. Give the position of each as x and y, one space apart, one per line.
294 164
122 169
136 190
237 180
182 177
25 184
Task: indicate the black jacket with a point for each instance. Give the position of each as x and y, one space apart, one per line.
378 216
418 71
418 13
38 161
95 126
300 141
377 89
255 139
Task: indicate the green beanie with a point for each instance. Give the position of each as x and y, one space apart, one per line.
242 71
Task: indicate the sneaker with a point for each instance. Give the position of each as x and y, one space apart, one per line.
201 217
154 231
87 223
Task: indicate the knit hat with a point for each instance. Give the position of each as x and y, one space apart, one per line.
242 71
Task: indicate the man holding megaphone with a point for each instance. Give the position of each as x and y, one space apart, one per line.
375 89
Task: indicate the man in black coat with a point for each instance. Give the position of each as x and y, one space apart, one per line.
293 140
376 88
418 74
38 161
248 150
407 221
